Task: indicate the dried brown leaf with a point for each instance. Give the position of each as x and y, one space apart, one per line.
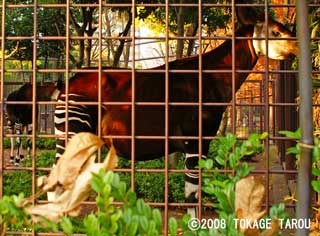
78 150
68 203
249 195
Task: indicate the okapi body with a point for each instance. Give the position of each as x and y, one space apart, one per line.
183 119
19 116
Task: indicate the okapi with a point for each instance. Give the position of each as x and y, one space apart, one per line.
19 116
183 119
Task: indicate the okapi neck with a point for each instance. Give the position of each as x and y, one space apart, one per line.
221 58
246 31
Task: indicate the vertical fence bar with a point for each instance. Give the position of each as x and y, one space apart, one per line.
305 115
266 104
34 92
3 7
166 118
34 105
200 105
100 10
133 99
233 68
67 49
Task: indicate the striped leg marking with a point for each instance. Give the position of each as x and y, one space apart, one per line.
192 183
10 130
19 157
79 120
29 141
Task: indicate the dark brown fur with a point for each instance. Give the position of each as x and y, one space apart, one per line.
183 88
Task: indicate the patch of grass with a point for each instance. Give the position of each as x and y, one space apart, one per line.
18 181
149 186
41 143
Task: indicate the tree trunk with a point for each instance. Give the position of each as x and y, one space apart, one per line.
89 32
191 41
117 55
180 28
109 41
127 55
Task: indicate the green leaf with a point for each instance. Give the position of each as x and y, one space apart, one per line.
144 223
232 161
91 224
96 183
131 197
263 135
202 163
108 177
209 164
66 225
152 228
293 150
173 227
140 206
116 216
315 172
133 228
122 188
220 160
296 134
156 215
316 185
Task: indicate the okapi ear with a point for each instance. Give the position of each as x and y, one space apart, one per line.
249 15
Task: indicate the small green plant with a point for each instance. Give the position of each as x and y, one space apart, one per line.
315 155
147 184
220 186
11 214
134 217
226 153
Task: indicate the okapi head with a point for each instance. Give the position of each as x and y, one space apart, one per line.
270 44
267 35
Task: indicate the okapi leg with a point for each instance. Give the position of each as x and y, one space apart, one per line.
19 157
191 183
29 141
10 131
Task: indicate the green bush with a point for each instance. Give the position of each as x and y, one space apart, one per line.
134 217
150 186
147 185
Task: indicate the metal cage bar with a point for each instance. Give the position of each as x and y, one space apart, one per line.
264 105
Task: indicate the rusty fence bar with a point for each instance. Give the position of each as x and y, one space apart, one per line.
305 114
264 102
2 162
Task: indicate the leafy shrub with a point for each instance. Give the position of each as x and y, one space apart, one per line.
150 186
133 218
226 153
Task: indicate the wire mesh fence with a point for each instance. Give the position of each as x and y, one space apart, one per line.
110 47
